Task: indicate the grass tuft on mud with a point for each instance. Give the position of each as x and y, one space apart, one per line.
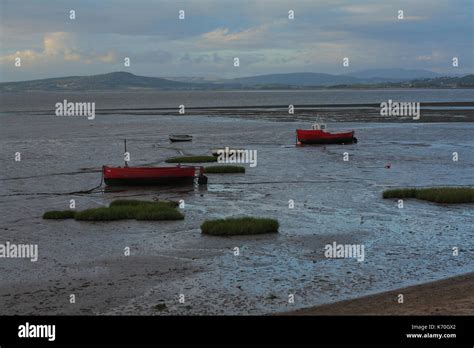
157 214
224 169
107 214
59 214
239 226
135 202
192 159
449 195
126 210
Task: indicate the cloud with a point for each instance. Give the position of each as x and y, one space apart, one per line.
423 58
72 57
186 58
54 45
224 37
360 9
161 56
59 46
109 57
216 58
26 56
434 56
214 32
58 43
195 58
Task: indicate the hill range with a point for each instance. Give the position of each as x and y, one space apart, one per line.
123 81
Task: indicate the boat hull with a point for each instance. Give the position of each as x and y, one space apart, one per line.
152 176
180 138
321 137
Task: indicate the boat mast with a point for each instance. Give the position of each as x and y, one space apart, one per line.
125 153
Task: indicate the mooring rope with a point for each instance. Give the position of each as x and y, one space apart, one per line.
59 193
90 190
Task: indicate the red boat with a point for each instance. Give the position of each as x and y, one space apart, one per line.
153 175
318 135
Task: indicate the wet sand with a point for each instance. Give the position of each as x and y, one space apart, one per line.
430 112
335 201
345 105
452 296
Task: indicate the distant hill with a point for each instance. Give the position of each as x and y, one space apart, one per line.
448 82
296 79
315 80
126 82
111 81
394 74
195 79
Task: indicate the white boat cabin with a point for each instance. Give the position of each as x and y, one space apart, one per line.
319 125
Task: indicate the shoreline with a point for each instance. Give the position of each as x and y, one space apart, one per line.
331 115
450 296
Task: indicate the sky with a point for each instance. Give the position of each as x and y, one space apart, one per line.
213 33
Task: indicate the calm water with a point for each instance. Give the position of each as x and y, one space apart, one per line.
45 101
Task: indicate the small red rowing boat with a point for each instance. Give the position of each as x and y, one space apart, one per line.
318 135
153 175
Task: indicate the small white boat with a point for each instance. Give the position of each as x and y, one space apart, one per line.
180 137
